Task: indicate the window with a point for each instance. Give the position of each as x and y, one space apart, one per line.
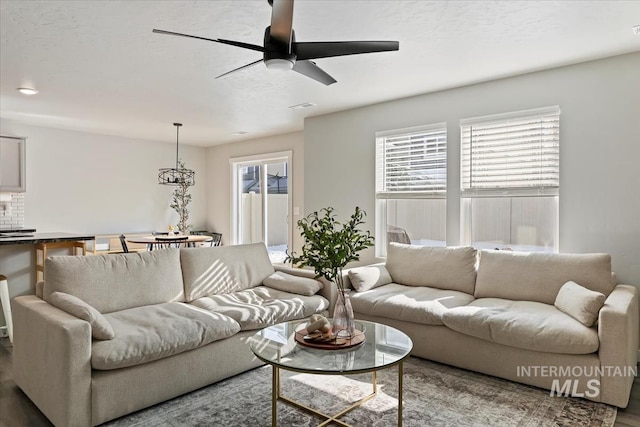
411 186
510 180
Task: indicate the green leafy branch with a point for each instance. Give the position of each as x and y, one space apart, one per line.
330 245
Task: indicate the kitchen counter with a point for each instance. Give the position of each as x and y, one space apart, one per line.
22 260
26 238
6 229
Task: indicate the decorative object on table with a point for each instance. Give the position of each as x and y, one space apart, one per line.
181 198
318 322
319 334
179 175
343 315
328 247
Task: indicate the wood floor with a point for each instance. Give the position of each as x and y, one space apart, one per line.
16 410
630 416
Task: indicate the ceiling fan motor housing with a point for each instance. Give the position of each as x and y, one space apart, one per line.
277 55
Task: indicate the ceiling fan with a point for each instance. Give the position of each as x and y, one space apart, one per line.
282 52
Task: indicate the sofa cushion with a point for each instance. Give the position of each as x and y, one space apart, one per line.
523 324
437 267
417 304
100 328
114 282
262 306
369 277
153 332
223 269
293 284
579 303
539 276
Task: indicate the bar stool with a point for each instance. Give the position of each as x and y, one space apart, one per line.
6 305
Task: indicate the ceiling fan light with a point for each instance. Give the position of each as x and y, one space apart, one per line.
279 64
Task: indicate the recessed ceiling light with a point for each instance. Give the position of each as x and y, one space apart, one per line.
303 105
27 90
636 29
240 132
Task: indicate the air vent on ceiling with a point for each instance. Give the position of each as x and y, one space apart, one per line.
303 106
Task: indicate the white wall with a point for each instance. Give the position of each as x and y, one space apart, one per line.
94 184
87 183
599 152
219 177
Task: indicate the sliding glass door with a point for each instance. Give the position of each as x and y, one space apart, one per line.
262 205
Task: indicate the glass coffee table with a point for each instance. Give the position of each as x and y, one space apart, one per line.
382 348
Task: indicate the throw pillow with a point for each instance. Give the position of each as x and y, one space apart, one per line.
369 277
100 327
294 284
579 302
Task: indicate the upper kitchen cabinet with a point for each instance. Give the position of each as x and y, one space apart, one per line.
13 175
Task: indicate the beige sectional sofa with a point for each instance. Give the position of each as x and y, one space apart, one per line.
148 326
556 321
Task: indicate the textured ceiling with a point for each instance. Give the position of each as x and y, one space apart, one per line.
100 69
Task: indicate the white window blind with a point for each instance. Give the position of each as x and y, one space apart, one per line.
412 163
512 152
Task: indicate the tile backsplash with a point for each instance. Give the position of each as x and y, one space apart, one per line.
12 211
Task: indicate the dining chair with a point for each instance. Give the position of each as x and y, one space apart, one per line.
217 239
164 241
123 243
179 241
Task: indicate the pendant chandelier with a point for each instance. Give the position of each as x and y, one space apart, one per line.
177 175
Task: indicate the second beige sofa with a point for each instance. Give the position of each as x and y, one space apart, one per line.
496 312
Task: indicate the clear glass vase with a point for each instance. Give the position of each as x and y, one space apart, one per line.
343 324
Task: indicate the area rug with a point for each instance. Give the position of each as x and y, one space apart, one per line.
434 395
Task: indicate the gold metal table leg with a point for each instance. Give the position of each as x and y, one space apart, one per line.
400 369
275 394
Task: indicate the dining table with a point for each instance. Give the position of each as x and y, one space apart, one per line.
164 241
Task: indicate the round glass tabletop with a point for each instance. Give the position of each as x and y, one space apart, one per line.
384 346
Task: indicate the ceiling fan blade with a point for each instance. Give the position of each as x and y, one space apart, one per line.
282 21
313 50
239 68
171 33
310 69
231 42
243 45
